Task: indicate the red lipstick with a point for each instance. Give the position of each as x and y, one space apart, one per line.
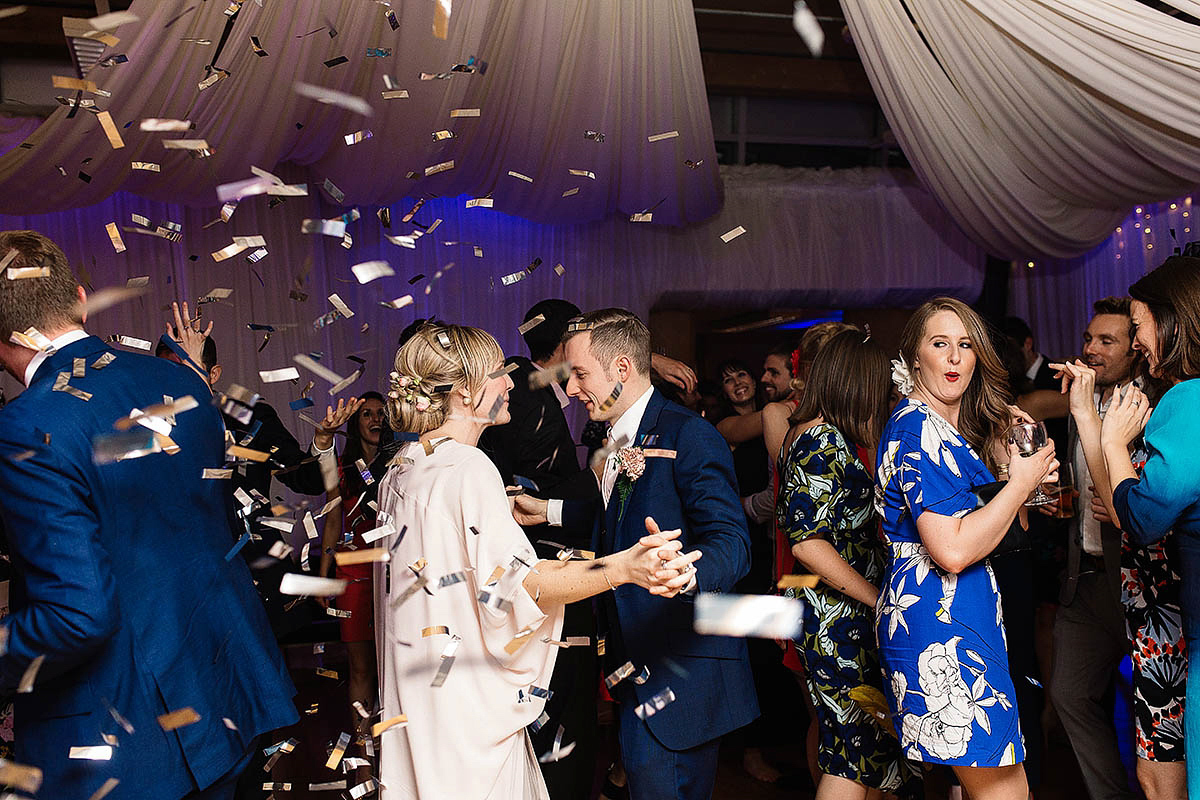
952 376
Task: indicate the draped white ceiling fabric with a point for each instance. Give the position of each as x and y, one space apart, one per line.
1056 295
1038 123
627 69
840 239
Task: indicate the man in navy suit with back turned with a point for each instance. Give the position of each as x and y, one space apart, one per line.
124 606
687 484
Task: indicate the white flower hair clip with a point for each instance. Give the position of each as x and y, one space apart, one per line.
902 376
410 390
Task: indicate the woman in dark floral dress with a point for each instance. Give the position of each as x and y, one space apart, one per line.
826 508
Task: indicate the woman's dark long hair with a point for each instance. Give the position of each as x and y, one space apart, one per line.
1172 294
353 483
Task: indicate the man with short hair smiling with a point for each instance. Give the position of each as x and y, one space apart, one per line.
777 374
1089 631
672 471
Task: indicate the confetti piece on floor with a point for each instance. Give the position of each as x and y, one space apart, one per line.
729 236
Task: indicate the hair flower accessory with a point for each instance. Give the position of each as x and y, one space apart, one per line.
901 376
410 390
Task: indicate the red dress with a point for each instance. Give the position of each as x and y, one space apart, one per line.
358 518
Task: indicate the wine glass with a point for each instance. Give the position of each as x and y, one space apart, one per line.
1029 437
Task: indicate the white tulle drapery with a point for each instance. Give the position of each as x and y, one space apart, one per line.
555 69
855 238
1038 123
1056 295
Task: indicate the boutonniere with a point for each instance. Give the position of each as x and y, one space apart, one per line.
631 463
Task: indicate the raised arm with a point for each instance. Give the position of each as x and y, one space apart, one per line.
1081 392
738 428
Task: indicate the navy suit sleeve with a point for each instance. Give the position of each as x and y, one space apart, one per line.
707 487
53 534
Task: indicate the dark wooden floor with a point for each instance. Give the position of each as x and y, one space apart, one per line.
325 698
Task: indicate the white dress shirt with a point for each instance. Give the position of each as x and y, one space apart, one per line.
626 425
623 430
58 343
1032 372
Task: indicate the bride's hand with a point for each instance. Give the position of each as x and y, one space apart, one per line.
657 563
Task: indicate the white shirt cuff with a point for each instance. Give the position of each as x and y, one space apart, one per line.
691 587
554 511
316 451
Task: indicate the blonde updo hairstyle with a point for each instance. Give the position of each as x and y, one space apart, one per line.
438 360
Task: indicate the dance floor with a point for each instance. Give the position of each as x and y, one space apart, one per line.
325 697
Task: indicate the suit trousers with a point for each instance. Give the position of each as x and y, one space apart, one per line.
657 773
1089 643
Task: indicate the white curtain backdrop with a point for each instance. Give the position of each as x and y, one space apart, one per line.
1056 295
1038 123
627 69
854 238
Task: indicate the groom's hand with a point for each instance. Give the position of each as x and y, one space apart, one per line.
675 572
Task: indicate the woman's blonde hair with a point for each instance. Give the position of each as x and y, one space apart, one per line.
983 417
437 360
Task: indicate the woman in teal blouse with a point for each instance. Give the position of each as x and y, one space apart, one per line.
1166 314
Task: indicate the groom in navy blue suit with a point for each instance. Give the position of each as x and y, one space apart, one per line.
686 483
125 607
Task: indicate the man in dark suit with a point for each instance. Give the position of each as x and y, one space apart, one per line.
687 483
129 625
535 449
1089 631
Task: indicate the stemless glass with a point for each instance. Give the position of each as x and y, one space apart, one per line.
1029 437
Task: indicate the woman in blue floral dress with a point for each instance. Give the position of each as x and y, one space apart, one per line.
939 622
825 507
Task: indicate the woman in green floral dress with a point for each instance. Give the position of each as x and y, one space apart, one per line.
826 508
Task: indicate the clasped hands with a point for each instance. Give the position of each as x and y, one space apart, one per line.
656 562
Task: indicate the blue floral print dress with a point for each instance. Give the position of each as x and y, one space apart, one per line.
941 636
827 492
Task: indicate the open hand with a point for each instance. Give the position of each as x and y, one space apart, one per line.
1126 416
334 419
187 332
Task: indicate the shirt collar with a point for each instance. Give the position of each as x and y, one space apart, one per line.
58 343
1032 372
628 423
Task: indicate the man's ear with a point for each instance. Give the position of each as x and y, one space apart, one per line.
81 295
624 367
214 375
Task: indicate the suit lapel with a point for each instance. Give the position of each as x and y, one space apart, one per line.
621 535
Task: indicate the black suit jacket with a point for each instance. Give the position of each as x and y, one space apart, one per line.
536 444
293 466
